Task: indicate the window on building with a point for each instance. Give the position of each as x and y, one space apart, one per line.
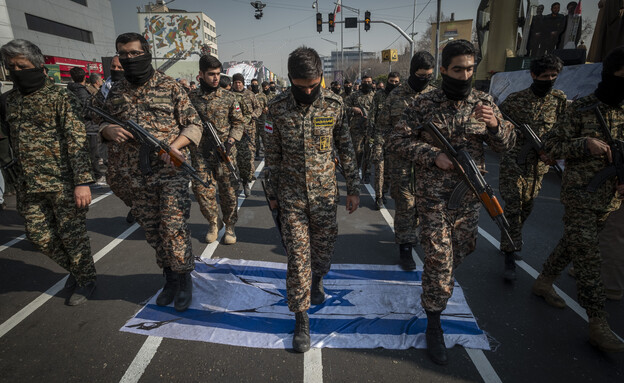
40 24
81 2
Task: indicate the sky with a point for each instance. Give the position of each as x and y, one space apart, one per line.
287 25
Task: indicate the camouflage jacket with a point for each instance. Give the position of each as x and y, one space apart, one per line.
568 140
160 106
396 102
456 120
221 108
378 102
540 114
250 107
299 150
264 102
363 101
48 139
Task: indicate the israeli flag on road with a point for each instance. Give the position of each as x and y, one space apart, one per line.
243 303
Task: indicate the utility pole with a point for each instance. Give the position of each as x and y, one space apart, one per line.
413 33
437 42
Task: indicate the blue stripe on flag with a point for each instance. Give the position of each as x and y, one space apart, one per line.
255 324
348 274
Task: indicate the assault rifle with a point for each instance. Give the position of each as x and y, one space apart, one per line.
222 153
472 180
532 143
616 168
149 143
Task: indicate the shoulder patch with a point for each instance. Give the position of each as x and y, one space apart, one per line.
237 106
268 127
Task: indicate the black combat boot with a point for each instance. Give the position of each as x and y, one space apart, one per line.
406 261
301 338
170 289
246 188
185 292
378 203
81 294
435 339
130 217
70 283
510 266
317 293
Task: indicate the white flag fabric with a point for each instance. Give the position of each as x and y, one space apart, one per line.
243 303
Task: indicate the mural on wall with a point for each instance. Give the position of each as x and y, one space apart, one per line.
173 33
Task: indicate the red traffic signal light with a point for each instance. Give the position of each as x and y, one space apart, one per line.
331 22
367 20
319 22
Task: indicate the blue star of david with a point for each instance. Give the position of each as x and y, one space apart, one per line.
335 298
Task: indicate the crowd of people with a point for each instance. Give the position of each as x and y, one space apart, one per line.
306 134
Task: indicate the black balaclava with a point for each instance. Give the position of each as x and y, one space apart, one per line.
348 89
611 89
254 88
390 87
28 81
366 88
541 88
138 70
454 89
207 88
301 97
116 75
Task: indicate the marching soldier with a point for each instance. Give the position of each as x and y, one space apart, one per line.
246 147
303 126
263 101
346 91
399 168
580 139
159 198
359 105
539 106
219 107
49 143
467 118
382 179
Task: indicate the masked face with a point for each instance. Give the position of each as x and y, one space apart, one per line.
419 80
28 81
348 89
254 88
366 87
611 89
272 88
305 91
138 70
117 75
457 77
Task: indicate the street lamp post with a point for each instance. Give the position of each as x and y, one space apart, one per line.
437 56
335 59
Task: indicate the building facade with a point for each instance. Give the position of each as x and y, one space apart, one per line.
334 66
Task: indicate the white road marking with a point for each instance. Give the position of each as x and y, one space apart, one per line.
483 365
150 346
313 366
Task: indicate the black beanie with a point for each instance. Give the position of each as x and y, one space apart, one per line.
238 77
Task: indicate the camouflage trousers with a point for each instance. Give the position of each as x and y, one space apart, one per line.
219 176
518 190
358 139
118 178
448 236
245 149
259 136
58 229
309 232
579 245
161 205
405 215
382 178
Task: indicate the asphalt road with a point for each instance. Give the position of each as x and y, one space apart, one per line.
42 339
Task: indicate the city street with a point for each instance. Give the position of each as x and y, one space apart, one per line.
42 339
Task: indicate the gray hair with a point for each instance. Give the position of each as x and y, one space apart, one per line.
19 47
93 78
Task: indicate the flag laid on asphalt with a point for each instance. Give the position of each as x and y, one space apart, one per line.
243 303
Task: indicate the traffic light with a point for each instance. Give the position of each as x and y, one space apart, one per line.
366 20
331 23
319 22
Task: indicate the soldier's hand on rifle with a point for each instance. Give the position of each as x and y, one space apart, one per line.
443 162
166 157
485 113
353 202
229 144
598 148
357 110
82 195
548 160
116 133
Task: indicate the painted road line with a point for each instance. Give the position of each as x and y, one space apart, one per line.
313 366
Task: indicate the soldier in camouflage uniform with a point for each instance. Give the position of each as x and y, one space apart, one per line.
160 199
579 139
49 142
346 90
401 169
467 118
539 106
246 147
264 102
358 105
219 107
382 179
303 126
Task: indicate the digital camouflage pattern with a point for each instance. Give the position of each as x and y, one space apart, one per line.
585 212
382 179
264 102
302 176
358 125
520 184
448 236
49 141
160 202
399 169
222 109
246 147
